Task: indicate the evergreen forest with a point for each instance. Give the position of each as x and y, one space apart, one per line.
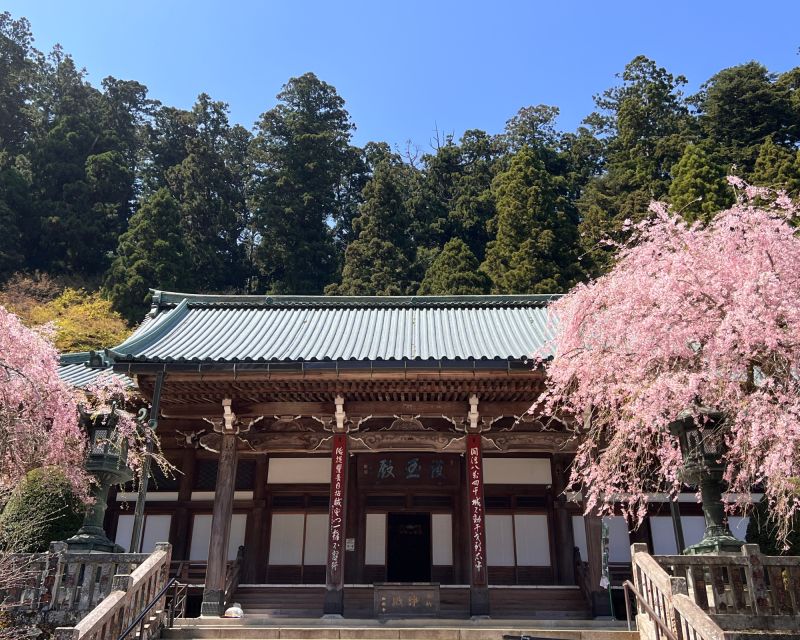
110 191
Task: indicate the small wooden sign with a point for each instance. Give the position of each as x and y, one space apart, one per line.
406 600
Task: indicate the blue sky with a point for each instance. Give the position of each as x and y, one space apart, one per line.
406 68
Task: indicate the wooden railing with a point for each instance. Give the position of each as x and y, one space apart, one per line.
746 591
129 595
232 576
665 610
60 586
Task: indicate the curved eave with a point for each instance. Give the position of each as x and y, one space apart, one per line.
141 366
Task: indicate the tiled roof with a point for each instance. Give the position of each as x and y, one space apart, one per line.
75 370
201 328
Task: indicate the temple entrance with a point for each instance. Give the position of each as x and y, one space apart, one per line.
408 547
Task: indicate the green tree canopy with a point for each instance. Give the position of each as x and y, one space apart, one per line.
777 167
150 254
534 250
302 159
740 107
699 189
455 271
377 261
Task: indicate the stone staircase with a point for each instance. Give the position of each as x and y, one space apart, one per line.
255 627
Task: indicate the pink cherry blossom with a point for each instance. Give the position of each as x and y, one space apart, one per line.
691 316
38 413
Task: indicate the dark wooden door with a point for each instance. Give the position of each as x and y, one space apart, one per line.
408 552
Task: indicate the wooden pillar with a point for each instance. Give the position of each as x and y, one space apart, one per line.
214 591
179 536
337 511
565 561
254 541
353 568
476 507
594 550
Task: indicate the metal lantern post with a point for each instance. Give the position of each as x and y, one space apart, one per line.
107 463
702 450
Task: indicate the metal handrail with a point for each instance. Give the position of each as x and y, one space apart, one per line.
179 591
628 585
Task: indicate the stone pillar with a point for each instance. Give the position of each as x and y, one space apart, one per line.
214 591
476 508
565 562
337 512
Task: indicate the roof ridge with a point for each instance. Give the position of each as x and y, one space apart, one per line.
172 298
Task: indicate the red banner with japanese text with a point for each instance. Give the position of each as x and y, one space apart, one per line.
336 530
476 505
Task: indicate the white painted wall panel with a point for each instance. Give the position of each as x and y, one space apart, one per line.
375 546
236 537
517 471
316 552
693 529
499 541
299 470
738 526
532 540
124 531
156 529
442 539
619 540
201 535
663 535
579 534
286 539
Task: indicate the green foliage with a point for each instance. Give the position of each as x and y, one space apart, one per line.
209 185
376 262
699 189
534 248
761 530
740 107
301 152
151 254
777 167
42 509
82 321
454 272
644 125
297 207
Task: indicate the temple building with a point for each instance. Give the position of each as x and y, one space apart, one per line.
371 455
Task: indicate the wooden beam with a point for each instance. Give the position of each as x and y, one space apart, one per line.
353 408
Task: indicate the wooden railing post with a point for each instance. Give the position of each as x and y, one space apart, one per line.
757 587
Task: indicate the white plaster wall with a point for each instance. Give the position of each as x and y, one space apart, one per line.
442 539
499 541
201 536
375 545
693 529
619 540
532 540
579 535
286 539
517 471
124 531
156 529
316 552
299 470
